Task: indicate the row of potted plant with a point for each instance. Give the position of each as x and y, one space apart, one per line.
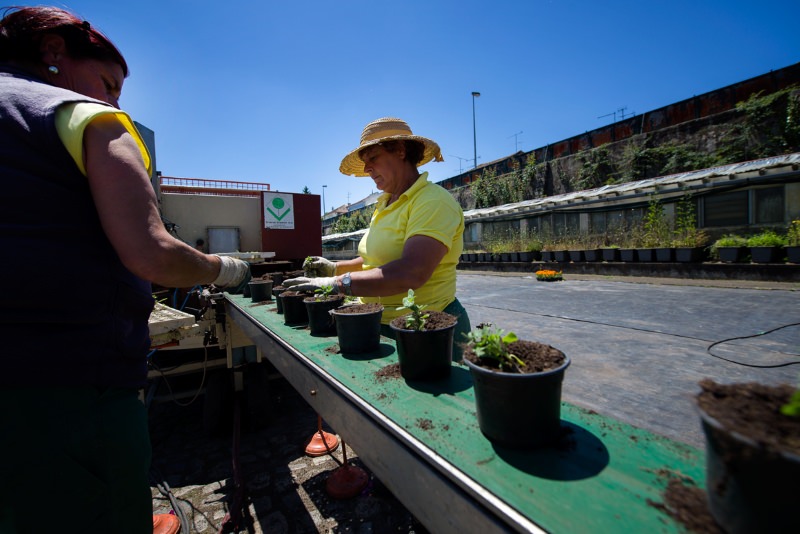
764 247
767 246
749 479
424 342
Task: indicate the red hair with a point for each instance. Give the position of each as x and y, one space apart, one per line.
22 29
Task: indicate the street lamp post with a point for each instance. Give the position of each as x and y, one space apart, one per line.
474 134
323 199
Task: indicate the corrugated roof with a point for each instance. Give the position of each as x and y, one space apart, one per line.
725 172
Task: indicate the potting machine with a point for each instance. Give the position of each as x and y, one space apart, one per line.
195 351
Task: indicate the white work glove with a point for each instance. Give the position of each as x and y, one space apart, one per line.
234 274
318 266
302 283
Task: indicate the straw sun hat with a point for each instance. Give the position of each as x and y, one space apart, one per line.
387 129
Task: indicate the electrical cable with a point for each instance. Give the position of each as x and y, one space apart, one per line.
166 491
708 349
189 294
199 388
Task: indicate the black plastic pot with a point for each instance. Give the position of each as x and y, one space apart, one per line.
276 292
665 254
561 256
320 321
627 254
518 410
689 254
358 332
750 489
260 290
294 309
766 254
424 355
793 254
610 254
576 255
593 254
731 254
646 254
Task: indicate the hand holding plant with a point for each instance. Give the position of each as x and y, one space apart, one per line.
315 266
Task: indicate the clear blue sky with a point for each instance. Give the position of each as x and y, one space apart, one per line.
278 92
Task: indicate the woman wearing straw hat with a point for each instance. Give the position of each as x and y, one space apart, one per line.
415 237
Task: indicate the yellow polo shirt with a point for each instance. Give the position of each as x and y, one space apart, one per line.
424 209
72 119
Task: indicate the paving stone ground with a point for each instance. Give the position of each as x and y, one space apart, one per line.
284 489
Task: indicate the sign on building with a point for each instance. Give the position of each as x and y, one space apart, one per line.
278 211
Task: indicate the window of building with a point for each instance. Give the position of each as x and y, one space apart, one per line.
726 209
566 223
768 205
597 222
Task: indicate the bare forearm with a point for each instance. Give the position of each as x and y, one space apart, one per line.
169 262
389 279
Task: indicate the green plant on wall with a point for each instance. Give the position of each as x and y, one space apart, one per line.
596 169
674 158
535 176
482 189
635 159
353 221
770 125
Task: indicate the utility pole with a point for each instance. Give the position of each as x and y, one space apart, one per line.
516 146
474 134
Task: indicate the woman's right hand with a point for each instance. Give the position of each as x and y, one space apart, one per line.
318 266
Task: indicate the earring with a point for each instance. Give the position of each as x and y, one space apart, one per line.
53 69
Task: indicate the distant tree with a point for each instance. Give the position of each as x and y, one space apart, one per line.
306 190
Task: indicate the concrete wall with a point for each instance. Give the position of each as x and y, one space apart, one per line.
195 213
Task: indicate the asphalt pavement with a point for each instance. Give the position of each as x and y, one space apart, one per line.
639 346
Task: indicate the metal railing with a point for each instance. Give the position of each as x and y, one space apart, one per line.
199 186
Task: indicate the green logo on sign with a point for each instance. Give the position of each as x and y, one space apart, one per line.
278 204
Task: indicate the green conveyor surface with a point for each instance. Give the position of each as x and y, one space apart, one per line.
604 477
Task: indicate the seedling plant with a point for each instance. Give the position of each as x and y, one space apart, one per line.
416 319
490 342
792 407
322 293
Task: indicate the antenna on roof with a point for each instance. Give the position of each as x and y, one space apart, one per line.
621 111
460 159
516 147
